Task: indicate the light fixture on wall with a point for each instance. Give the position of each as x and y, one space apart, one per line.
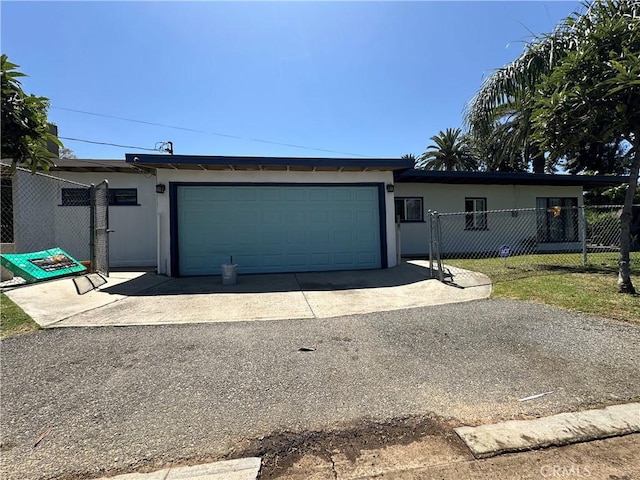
160 187
390 187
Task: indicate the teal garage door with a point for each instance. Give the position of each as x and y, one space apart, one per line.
271 229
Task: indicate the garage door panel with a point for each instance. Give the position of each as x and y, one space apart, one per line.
345 258
278 228
246 194
319 195
320 259
363 195
270 217
295 194
341 194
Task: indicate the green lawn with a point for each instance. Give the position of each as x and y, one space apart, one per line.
13 320
544 279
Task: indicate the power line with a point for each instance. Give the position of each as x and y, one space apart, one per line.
205 132
110 144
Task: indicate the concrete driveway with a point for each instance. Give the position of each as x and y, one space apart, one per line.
131 298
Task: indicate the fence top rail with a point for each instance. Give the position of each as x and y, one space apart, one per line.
40 174
533 209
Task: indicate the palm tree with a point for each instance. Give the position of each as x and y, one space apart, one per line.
448 152
409 156
561 109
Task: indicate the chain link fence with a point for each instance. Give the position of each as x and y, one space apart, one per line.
40 212
513 243
100 227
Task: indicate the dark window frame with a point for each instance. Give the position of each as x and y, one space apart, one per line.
81 197
116 201
566 220
76 197
472 214
403 216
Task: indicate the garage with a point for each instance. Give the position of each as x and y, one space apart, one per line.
272 214
278 228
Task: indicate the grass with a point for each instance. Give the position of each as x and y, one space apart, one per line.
560 280
13 320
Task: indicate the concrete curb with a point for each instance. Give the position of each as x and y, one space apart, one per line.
239 469
557 430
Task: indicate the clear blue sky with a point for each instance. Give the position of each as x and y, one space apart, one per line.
371 78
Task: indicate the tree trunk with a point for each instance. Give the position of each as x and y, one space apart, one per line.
537 159
624 274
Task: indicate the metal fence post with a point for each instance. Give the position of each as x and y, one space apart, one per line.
430 244
439 247
92 228
582 221
398 241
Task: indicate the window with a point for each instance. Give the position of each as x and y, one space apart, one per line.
476 217
557 219
123 196
81 197
76 197
409 209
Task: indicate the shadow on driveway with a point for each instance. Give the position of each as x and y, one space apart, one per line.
404 274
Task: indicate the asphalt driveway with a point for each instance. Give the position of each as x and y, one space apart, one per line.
122 398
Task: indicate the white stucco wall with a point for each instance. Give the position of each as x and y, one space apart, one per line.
166 176
133 240
41 222
451 198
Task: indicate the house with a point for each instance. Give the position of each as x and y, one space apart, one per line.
186 215
552 224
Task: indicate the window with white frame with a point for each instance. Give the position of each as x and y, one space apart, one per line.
476 217
409 209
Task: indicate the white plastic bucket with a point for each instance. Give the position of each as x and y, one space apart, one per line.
229 273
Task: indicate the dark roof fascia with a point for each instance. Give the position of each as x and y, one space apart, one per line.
171 161
85 165
88 165
507 178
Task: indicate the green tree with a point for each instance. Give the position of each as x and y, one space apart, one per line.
67 153
409 156
580 85
25 130
493 153
448 152
592 95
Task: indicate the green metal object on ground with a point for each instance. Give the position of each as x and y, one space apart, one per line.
43 265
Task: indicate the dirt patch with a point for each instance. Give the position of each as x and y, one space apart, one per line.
281 450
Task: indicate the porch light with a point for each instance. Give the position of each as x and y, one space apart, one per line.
160 187
390 187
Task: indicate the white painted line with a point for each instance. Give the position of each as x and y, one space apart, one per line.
533 397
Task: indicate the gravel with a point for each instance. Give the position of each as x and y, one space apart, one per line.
121 399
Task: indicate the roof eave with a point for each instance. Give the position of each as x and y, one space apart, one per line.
506 178
199 162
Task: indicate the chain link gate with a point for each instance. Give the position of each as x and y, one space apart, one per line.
100 228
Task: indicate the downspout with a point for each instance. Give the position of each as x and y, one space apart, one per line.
159 271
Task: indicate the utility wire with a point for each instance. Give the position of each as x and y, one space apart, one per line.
110 144
208 133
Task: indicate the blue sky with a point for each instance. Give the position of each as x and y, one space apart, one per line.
375 79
